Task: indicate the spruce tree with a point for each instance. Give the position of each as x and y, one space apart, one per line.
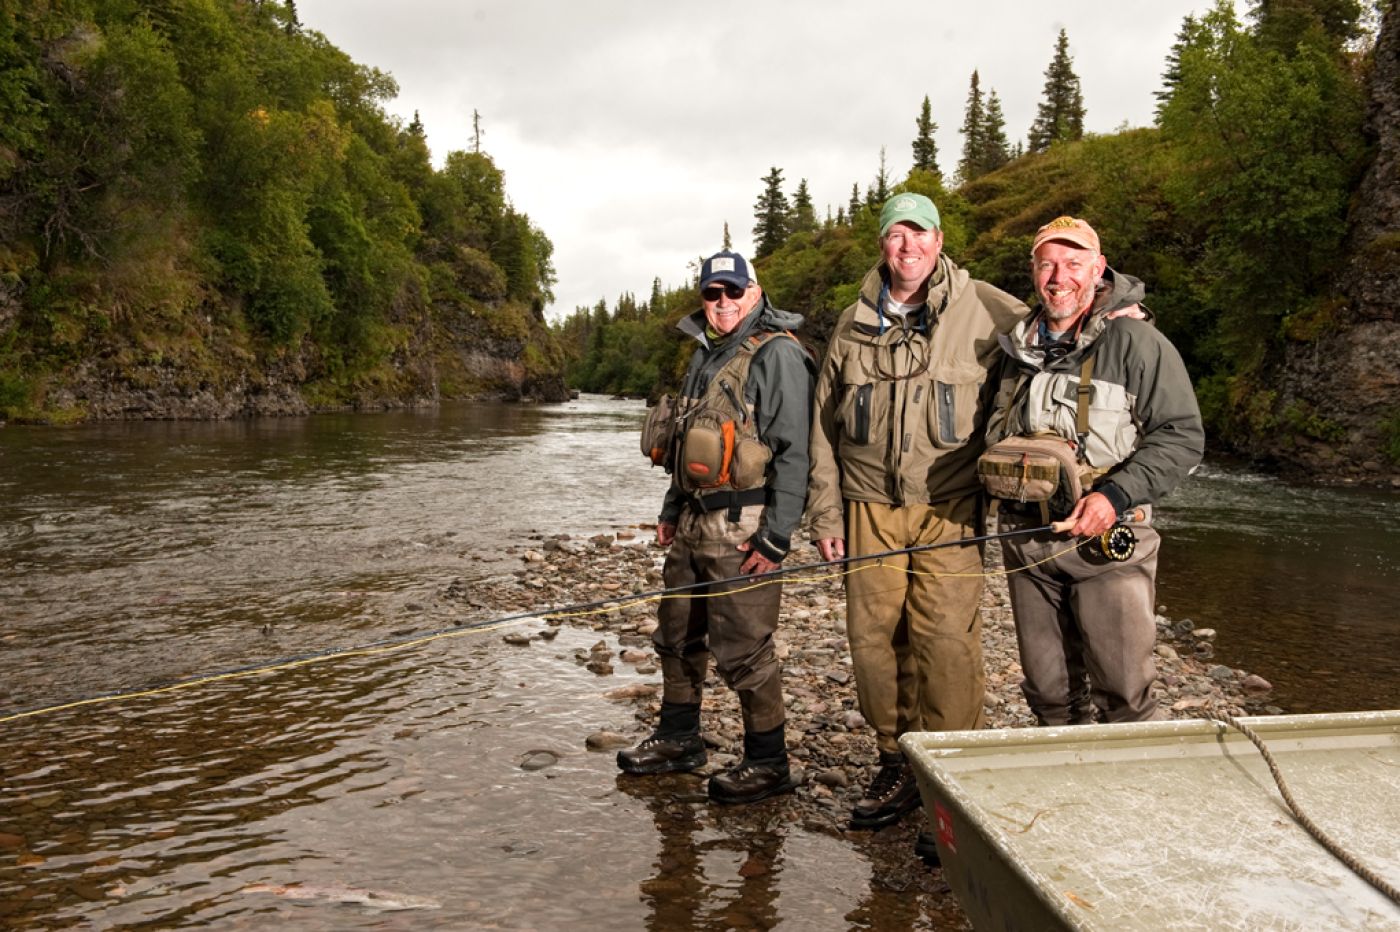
879 192
973 129
1190 34
995 153
728 243
855 204
1060 116
770 215
925 149
804 215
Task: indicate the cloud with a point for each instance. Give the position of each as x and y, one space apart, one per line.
631 131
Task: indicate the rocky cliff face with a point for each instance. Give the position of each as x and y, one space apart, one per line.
1346 384
216 375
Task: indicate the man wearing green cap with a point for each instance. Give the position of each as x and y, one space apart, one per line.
897 429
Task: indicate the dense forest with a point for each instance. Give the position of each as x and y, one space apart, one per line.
1262 209
205 211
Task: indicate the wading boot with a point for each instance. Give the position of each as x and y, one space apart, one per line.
675 746
664 754
751 781
892 793
926 849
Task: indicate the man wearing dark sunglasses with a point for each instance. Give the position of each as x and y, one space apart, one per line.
738 462
898 423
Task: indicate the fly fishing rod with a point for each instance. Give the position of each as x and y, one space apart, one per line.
1123 543
1117 544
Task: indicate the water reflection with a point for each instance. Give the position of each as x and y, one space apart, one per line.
703 878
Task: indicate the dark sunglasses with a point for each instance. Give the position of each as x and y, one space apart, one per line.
713 292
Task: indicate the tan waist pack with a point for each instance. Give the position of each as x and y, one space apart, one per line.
1035 469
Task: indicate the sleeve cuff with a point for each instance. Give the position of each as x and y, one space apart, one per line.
1116 496
772 547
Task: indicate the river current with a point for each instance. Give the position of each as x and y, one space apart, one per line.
133 555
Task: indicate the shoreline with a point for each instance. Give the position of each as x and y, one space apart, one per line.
828 740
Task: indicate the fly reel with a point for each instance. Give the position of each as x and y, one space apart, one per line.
1118 543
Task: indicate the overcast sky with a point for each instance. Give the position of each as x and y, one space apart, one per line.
630 132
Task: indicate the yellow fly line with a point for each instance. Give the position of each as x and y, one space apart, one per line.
610 606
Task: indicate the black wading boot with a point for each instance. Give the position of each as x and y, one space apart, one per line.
893 792
926 849
675 746
762 773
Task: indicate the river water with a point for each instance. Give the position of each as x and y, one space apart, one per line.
136 554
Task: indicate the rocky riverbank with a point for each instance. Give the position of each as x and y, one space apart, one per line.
829 740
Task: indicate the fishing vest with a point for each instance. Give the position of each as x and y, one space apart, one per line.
709 443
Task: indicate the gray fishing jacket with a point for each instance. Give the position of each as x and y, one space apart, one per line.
1145 431
779 393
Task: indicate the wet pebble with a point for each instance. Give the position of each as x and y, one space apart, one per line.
516 638
1254 683
538 760
633 691
607 741
10 842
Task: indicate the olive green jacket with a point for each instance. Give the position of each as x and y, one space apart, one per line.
899 411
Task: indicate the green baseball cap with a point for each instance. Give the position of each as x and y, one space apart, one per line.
909 208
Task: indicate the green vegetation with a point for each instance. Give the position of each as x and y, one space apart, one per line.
1233 209
208 190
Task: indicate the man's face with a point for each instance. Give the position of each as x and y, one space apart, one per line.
1066 277
910 254
727 305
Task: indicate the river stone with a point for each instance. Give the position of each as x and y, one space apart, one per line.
1167 652
635 656
1255 683
548 634
518 639
606 741
538 760
10 842
632 691
853 720
1204 634
834 777
1220 673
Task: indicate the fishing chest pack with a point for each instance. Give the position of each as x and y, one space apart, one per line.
1044 468
711 442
